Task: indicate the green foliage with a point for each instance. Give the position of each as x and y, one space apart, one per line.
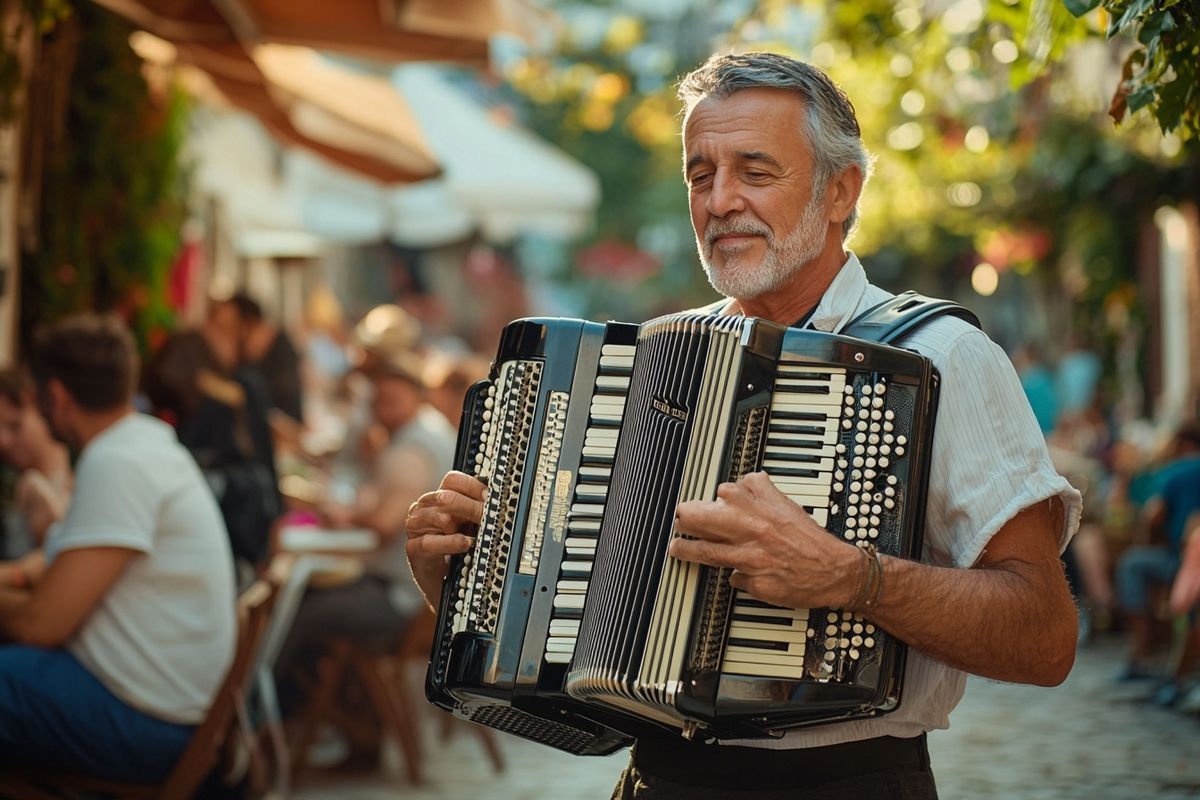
989 149
1162 71
40 16
112 193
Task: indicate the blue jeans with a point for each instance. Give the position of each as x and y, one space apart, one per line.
55 714
1138 569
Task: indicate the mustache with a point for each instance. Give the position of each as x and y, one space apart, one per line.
722 226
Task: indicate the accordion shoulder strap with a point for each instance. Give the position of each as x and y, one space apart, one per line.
899 317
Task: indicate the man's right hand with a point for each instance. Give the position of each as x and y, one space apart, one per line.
435 523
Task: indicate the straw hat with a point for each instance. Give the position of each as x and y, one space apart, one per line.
387 329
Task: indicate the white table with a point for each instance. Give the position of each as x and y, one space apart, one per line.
315 550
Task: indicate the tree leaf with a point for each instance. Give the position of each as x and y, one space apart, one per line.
1080 7
1141 97
1154 27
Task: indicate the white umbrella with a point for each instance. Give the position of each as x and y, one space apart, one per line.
506 178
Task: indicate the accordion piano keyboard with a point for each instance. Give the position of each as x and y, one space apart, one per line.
591 490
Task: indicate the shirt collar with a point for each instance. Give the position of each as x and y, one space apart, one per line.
842 299
840 302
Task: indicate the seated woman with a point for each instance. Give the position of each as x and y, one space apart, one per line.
222 421
44 478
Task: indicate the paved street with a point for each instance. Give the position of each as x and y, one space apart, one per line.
1086 739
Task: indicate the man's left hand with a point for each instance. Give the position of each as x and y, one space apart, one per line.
778 552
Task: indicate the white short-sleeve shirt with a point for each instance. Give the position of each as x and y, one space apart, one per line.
989 462
163 636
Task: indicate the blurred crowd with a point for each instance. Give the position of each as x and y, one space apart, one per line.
1134 565
326 427
204 455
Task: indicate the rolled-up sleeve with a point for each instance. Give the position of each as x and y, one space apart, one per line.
989 457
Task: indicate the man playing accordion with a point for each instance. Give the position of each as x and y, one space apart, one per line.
774 165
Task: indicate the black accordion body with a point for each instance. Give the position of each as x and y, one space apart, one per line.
569 624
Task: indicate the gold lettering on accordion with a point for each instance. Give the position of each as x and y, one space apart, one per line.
664 407
561 504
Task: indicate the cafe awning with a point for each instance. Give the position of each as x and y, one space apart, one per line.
388 30
349 118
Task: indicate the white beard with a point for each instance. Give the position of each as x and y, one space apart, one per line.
781 261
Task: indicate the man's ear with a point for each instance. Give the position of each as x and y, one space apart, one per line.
56 396
842 193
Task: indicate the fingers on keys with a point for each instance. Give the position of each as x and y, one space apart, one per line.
458 502
449 544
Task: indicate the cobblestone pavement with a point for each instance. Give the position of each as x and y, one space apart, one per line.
1087 739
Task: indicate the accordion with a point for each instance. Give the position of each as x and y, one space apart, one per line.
568 623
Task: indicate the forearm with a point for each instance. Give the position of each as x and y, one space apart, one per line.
15 615
1011 621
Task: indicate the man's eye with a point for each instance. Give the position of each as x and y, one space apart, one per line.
702 177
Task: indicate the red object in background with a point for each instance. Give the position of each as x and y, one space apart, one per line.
618 260
184 274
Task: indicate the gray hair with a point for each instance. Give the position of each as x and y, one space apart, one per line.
830 126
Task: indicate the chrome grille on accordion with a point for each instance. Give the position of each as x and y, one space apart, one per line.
568 608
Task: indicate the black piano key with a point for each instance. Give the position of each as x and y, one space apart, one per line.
799 458
790 443
758 644
784 622
814 416
787 472
812 430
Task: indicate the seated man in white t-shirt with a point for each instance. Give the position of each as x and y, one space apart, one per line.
117 651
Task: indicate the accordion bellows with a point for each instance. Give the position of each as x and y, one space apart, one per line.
569 624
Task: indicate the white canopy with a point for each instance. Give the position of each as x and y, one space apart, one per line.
506 178
499 179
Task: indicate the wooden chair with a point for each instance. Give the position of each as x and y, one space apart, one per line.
206 745
397 698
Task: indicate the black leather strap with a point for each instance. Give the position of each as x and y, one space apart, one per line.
901 316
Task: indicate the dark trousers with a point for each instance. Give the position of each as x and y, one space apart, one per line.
876 769
361 612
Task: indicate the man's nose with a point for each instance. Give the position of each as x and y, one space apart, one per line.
725 196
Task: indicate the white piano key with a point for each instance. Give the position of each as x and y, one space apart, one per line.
559 658
612 381
784 401
754 655
740 608
594 473
607 403
779 633
763 670
571 587
824 479
769 463
569 601
555 644
616 362
618 349
564 627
